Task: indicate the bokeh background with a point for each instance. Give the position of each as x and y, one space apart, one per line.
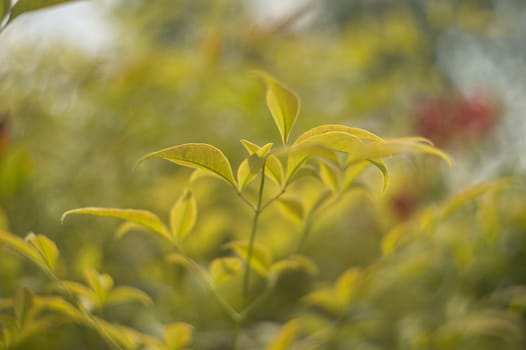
88 87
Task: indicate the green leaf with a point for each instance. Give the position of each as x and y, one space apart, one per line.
22 304
101 284
261 256
121 295
252 148
183 216
352 172
284 105
273 167
81 290
380 165
285 338
23 6
61 306
177 335
223 269
295 262
20 246
247 171
45 247
329 176
141 217
299 154
126 228
329 128
292 208
197 156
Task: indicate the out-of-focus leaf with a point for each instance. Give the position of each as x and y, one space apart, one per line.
61 306
296 262
23 6
101 284
285 337
121 295
46 247
292 208
347 283
223 269
274 169
22 304
380 165
177 335
261 257
83 292
300 154
284 105
329 128
329 176
20 246
140 217
183 216
125 337
197 155
252 148
127 227
351 173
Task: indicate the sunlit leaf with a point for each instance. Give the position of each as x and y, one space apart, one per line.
285 338
46 247
20 246
223 269
101 284
245 175
87 296
23 6
125 337
284 105
261 257
329 128
177 335
183 216
274 169
22 305
380 165
292 208
252 148
347 283
127 227
300 154
140 217
61 306
197 155
295 262
251 166
121 295
352 172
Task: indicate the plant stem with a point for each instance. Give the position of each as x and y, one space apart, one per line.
257 212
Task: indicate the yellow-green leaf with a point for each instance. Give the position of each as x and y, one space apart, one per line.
299 154
285 338
22 305
121 295
20 246
284 105
329 128
61 306
252 148
274 169
329 176
251 166
261 257
101 284
380 165
292 208
296 262
223 269
141 217
197 156
183 216
45 247
177 335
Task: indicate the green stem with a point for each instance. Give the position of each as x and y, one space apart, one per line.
257 212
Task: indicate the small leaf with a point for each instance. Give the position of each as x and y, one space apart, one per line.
23 6
101 284
197 155
251 166
22 304
246 173
252 148
183 216
380 165
46 247
141 217
84 293
261 256
20 246
329 128
329 176
121 295
274 169
352 172
177 335
300 154
296 262
286 337
292 208
284 105
223 269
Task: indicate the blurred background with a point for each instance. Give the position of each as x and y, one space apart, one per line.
88 87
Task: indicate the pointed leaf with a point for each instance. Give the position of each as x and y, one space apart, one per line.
197 155
284 105
300 154
352 172
121 295
20 246
252 148
101 284
126 228
380 165
23 6
261 256
80 290
183 216
177 335
274 169
251 166
328 128
46 247
329 176
140 217
246 173
61 306
285 338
